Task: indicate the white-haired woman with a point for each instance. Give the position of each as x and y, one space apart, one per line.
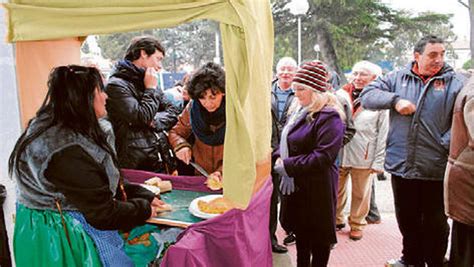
364 154
309 145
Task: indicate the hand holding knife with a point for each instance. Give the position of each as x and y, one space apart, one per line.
199 169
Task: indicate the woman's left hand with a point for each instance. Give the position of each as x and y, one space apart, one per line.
287 185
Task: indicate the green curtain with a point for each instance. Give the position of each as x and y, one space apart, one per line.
247 37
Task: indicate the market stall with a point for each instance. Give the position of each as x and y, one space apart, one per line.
50 33
235 238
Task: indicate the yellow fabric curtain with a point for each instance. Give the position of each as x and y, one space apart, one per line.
247 37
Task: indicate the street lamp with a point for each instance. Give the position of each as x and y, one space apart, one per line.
298 8
317 50
217 58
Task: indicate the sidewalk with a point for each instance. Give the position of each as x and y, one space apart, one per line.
380 243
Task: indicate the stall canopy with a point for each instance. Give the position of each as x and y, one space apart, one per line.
247 38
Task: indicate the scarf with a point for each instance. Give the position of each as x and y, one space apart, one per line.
302 111
209 127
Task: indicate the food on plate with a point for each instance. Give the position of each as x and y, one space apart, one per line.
215 206
213 183
164 186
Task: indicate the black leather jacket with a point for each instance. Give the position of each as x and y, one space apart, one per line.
140 118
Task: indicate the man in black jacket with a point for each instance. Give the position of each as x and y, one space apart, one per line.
139 113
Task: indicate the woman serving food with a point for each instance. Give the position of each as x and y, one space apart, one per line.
199 133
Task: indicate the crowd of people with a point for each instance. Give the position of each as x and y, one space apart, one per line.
403 125
411 123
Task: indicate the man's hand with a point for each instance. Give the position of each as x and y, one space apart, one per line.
150 80
184 154
375 171
405 107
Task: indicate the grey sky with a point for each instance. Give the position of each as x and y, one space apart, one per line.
460 20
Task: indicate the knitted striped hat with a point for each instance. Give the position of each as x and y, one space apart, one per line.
314 75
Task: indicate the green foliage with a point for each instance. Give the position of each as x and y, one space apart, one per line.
85 48
467 65
192 43
358 29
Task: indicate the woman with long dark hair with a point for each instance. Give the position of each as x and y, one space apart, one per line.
71 199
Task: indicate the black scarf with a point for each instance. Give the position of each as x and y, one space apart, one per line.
209 127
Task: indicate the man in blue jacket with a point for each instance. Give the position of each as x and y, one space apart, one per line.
420 98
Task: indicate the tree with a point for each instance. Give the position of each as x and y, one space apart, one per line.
469 5
349 31
398 49
192 43
85 47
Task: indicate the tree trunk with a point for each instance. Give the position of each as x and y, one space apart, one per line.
328 53
471 16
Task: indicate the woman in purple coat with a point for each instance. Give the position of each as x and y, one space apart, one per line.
310 142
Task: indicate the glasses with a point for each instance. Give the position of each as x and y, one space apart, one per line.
287 70
360 73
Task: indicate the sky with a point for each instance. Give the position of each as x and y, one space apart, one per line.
460 20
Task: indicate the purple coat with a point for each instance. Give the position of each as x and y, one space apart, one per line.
313 148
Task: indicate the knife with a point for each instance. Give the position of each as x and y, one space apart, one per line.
199 169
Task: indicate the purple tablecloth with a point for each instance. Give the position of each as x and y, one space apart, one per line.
236 238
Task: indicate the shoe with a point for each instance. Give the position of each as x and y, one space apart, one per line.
355 235
340 226
290 239
279 249
395 263
381 177
369 221
401 263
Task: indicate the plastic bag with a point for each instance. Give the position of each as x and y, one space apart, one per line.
140 245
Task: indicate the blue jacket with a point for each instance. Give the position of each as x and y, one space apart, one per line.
278 123
417 145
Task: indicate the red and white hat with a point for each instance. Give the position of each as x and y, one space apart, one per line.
312 74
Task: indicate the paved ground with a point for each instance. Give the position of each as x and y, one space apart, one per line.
380 242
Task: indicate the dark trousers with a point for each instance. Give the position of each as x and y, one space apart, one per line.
374 214
462 245
274 208
419 209
306 249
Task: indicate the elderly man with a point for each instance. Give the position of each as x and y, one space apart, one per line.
282 95
459 179
364 154
420 98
